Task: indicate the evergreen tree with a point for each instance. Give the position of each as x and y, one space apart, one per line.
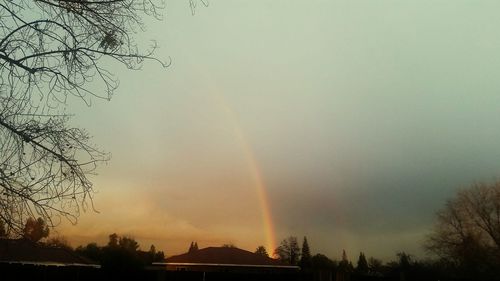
305 260
159 257
344 269
362 266
345 265
193 247
155 256
344 258
350 267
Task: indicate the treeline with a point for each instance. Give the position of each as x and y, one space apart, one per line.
290 252
464 244
121 253
403 267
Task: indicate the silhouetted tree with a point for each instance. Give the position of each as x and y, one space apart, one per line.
467 232
229 245
113 240
344 269
121 254
288 251
320 261
35 230
375 265
345 265
155 256
344 261
261 250
128 244
193 247
305 257
52 53
402 266
404 260
91 251
159 257
58 242
362 266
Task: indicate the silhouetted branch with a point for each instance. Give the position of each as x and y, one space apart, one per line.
51 50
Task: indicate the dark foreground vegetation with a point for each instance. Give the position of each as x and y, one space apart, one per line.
42 273
121 259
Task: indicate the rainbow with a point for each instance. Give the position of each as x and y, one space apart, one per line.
260 187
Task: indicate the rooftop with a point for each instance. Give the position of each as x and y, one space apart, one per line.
26 252
223 256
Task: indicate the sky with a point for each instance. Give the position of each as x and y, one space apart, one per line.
349 122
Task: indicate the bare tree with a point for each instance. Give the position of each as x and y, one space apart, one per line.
467 232
51 51
288 251
193 4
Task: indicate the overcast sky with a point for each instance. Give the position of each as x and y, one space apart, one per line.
363 117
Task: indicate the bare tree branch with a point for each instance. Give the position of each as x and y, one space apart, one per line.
51 50
467 231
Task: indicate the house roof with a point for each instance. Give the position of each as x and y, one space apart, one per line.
223 256
27 252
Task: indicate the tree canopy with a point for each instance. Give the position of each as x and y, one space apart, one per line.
467 231
35 230
261 250
122 253
320 261
288 251
305 257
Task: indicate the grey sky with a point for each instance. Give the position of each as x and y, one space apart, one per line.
364 117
